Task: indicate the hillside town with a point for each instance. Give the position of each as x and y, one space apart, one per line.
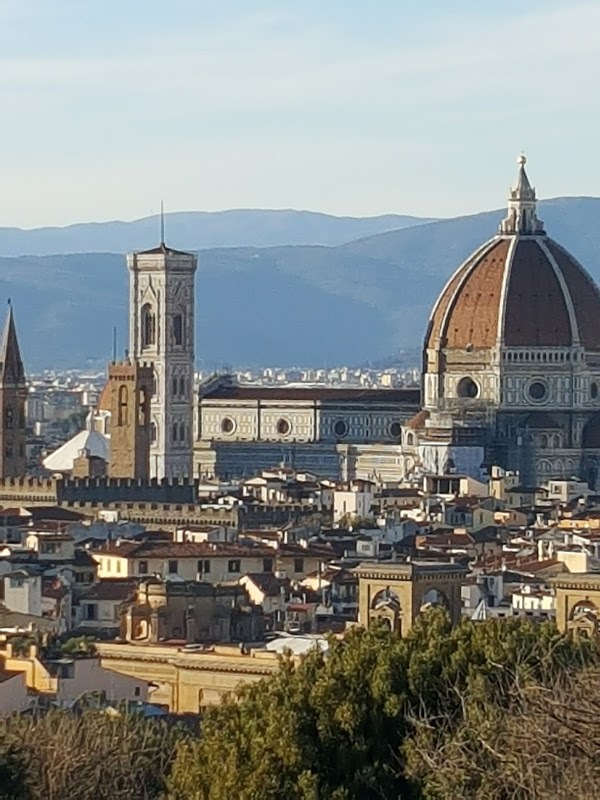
166 535
276 561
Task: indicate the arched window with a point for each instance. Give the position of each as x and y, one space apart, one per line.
178 329
143 407
148 326
122 406
174 431
174 387
182 432
182 387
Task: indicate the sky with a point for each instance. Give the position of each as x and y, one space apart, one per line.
341 106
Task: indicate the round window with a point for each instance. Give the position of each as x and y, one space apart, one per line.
283 427
467 388
395 430
594 390
537 391
227 425
340 428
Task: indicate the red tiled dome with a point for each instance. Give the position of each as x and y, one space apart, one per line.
520 289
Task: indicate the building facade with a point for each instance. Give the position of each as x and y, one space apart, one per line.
329 431
161 334
511 360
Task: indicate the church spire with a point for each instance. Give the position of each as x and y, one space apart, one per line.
522 217
11 365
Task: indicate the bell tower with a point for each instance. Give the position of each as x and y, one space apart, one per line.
13 395
130 391
161 335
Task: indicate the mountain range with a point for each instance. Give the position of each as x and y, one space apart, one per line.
293 304
198 230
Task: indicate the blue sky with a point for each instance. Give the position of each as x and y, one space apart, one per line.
340 106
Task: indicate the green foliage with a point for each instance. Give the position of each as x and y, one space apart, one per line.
93 756
82 646
344 725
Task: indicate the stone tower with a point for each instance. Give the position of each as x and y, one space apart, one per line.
13 395
161 334
130 396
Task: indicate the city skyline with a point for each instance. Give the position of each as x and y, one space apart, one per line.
335 109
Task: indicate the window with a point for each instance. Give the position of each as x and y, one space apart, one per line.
182 387
233 565
122 406
148 326
174 385
298 565
174 431
152 432
283 427
118 565
204 566
143 407
90 611
467 388
594 390
395 429
537 391
8 418
137 692
142 568
8 451
182 432
227 425
267 565
340 428
178 329
173 565
49 548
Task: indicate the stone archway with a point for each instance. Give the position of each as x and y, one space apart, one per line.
387 609
431 598
395 593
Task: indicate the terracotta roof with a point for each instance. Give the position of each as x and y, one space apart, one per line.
175 550
164 250
111 589
418 421
584 293
518 290
268 583
316 393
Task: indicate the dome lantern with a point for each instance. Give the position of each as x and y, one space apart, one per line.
522 217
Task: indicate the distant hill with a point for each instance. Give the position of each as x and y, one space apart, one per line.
303 304
197 230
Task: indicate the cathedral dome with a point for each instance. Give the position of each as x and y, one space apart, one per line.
519 289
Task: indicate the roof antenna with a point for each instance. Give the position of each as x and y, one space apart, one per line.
115 344
162 222
10 302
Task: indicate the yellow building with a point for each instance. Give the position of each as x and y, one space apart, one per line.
396 593
184 681
578 603
207 561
